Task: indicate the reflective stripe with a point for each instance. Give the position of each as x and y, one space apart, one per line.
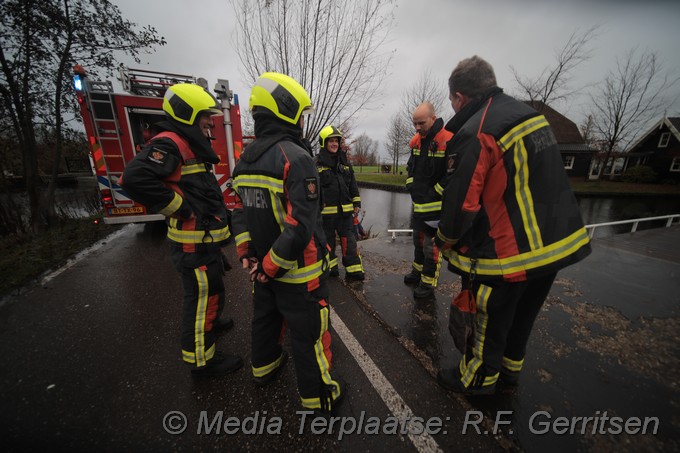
481 322
427 207
322 361
417 267
438 188
201 307
347 208
263 182
445 239
439 153
265 370
415 151
333 263
281 262
524 198
192 169
430 281
304 274
409 180
354 268
356 200
198 237
512 365
520 131
190 357
524 261
329 210
243 237
278 210
173 206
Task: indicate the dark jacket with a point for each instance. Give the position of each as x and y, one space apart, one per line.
508 210
427 171
172 175
340 193
277 218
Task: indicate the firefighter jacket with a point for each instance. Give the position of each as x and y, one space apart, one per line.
277 218
508 212
427 171
338 185
169 177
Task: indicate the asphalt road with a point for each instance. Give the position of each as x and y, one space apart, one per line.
91 362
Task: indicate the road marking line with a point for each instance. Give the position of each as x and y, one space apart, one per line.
82 254
423 442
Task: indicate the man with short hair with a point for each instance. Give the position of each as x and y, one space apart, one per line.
425 182
509 222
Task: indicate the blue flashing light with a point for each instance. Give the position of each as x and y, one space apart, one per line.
78 82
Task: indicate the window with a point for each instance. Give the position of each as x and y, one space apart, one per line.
665 138
675 164
568 162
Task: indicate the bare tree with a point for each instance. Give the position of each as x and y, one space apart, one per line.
397 139
553 83
364 151
427 88
628 98
332 47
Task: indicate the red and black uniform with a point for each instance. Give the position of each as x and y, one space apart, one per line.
277 221
340 195
425 182
510 218
172 175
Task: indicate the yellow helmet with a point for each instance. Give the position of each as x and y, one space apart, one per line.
282 95
184 101
328 132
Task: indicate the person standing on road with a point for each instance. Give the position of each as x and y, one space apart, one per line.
279 238
425 182
341 202
172 175
509 222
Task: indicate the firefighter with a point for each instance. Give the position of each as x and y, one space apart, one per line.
425 182
509 222
341 202
172 176
280 240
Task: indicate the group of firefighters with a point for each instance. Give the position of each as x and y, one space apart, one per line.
485 181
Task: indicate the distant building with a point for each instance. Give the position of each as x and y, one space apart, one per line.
576 154
658 148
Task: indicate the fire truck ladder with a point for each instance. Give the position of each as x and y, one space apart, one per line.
104 115
143 82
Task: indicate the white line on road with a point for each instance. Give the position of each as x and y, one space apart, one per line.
423 442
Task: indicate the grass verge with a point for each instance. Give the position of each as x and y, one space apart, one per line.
23 258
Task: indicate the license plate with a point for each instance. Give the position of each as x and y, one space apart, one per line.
134 210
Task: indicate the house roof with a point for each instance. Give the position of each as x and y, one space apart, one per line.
673 125
565 130
575 148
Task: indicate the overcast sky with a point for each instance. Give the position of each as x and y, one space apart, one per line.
434 35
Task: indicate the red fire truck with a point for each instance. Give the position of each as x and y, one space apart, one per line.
118 124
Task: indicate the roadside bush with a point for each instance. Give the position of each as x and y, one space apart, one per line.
641 174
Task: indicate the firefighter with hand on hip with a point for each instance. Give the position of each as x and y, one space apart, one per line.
279 238
340 202
172 176
425 182
509 222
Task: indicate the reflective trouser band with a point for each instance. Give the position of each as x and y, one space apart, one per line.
241 238
427 207
417 267
265 370
190 357
198 237
512 365
173 206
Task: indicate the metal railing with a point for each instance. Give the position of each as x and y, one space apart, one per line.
591 227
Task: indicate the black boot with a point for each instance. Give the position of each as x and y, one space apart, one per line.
423 291
219 365
412 278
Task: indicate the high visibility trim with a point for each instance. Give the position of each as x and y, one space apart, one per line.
261 181
512 365
354 268
430 281
190 357
322 168
417 267
333 263
524 261
201 308
281 262
445 239
427 207
322 361
481 320
193 169
241 238
356 200
265 370
416 151
173 206
278 210
439 153
329 210
409 180
438 188
521 130
347 208
524 198
198 237
305 274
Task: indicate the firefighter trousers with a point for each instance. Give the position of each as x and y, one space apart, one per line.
426 256
344 226
203 303
277 306
506 312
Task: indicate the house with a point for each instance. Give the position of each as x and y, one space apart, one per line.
658 148
576 154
